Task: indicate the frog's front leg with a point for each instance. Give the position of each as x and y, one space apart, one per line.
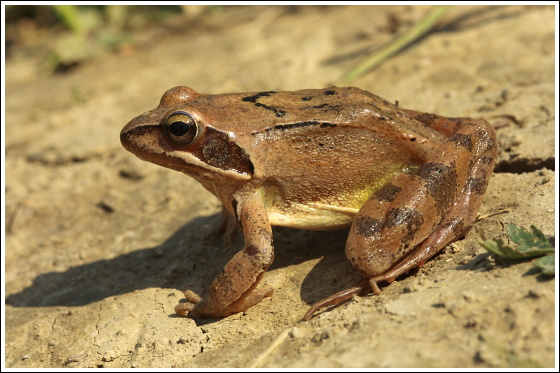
233 290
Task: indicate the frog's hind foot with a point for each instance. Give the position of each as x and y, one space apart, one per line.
362 288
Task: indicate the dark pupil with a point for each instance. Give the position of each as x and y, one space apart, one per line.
179 128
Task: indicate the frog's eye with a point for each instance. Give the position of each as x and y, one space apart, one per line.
181 128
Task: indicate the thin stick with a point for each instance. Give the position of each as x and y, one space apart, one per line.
502 211
270 348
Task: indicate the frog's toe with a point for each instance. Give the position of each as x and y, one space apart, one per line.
192 300
362 288
255 297
182 308
197 307
192 297
374 287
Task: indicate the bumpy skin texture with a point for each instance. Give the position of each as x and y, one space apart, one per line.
407 182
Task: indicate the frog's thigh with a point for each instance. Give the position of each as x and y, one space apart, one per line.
436 205
455 225
233 289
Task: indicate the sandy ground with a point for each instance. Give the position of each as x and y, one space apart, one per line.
100 245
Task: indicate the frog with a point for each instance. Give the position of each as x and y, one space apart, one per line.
404 182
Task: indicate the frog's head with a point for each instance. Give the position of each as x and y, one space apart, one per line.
177 136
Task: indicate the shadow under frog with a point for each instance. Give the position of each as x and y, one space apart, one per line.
181 263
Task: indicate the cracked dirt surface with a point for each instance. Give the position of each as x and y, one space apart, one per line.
99 245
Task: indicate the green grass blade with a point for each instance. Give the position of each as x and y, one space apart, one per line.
398 44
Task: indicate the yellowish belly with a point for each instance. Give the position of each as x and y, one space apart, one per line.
315 216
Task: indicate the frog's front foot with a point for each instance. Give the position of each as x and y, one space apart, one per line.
198 307
192 300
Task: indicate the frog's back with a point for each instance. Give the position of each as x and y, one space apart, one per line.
326 153
260 111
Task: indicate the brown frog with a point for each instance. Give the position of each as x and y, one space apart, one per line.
406 183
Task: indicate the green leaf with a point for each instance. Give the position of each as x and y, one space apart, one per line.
529 245
546 264
497 247
529 241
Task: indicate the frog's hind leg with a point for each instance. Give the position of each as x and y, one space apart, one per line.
457 222
413 216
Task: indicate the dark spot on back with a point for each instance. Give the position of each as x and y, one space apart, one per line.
252 250
294 125
402 215
330 93
408 217
366 226
388 192
435 174
289 126
460 122
477 185
426 119
485 139
440 183
462 140
254 98
486 160
402 250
